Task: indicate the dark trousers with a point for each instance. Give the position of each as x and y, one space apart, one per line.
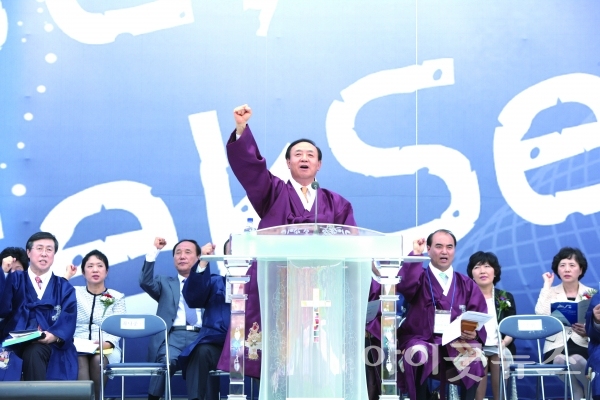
424 394
35 357
373 371
200 385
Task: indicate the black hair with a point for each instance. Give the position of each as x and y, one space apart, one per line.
18 253
100 255
225 247
569 253
198 250
39 236
295 142
484 257
430 237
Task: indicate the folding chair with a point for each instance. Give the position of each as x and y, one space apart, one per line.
538 328
129 327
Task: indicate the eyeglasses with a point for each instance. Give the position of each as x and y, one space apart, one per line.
41 249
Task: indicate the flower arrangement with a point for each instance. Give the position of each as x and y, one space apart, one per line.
588 294
107 300
503 302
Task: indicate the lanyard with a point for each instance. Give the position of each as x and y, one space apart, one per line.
453 289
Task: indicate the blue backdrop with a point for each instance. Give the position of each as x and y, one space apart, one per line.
479 117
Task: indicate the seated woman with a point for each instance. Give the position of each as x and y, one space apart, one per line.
94 303
485 270
14 259
570 265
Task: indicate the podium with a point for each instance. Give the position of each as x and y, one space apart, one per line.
314 282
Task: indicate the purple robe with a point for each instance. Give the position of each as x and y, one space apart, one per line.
417 285
277 203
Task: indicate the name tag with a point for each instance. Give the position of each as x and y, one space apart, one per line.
442 321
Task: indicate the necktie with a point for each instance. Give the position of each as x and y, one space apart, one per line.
190 313
444 277
304 192
38 280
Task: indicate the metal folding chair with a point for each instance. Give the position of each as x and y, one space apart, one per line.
538 328
130 327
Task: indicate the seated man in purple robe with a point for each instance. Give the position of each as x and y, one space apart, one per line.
36 299
436 296
276 203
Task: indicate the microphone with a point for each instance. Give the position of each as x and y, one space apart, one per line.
315 186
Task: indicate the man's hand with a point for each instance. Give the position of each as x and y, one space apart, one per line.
7 264
50 338
596 312
159 243
70 271
241 115
418 246
206 250
548 279
468 335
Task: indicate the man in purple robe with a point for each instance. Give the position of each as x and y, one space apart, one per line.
37 299
277 203
436 296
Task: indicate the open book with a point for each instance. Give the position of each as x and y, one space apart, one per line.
23 336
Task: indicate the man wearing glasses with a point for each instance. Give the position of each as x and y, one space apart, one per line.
36 299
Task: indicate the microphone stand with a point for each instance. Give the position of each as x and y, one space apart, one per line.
315 186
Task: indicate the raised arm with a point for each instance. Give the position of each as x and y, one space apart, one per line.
249 166
542 306
412 273
197 289
147 282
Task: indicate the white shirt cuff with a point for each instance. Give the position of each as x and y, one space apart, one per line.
201 270
152 254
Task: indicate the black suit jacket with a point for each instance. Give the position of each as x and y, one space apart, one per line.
507 312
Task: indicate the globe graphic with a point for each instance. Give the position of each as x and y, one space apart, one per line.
525 250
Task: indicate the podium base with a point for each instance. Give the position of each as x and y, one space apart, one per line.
236 397
389 397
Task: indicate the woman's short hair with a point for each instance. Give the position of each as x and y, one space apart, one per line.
481 258
18 253
569 253
100 255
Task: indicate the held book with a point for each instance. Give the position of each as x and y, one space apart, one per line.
23 337
86 346
468 321
570 312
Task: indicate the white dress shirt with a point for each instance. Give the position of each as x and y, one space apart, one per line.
45 279
310 194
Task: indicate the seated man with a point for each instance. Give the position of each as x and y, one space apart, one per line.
205 289
436 296
37 299
182 321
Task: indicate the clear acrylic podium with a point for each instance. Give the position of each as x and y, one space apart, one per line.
314 282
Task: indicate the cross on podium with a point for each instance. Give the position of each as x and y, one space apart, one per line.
316 303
